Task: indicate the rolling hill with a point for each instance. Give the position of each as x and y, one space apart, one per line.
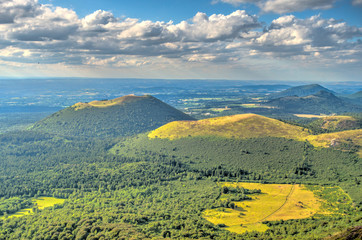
124 116
249 144
321 102
236 126
251 126
300 91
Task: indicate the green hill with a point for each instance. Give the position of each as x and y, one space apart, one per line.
252 147
321 102
122 116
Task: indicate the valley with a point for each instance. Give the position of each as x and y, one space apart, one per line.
202 164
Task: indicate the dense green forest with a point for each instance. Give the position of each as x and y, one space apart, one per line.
132 115
267 159
127 189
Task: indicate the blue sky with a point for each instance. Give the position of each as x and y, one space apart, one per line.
309 40
179 10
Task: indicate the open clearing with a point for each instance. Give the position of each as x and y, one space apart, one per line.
275 202
41 203
309 116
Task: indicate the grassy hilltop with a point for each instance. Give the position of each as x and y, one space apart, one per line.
246 126
236 126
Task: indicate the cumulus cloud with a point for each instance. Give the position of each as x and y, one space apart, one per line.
289 36
54 35
16 9
49 24
285 6
357 3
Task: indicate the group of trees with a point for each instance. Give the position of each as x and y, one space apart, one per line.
160 192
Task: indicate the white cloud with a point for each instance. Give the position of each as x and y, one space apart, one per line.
49 24
310 42
357 2
10 11
54 35
285 6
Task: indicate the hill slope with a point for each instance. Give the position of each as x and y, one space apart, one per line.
346 140
355 98
321 102
236 126
356 95
122 116
336 123
300 91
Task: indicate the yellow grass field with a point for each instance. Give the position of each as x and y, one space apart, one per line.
41 203
275 202
253 105
309 116
238 126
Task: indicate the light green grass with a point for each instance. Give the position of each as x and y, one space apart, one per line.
40 203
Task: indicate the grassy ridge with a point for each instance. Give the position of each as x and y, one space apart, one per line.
245 126
236 126
109 103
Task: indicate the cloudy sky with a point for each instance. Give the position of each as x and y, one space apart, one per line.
312 40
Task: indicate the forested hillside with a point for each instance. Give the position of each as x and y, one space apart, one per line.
160 184
159 190
123 116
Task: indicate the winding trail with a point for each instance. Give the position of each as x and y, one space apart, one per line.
285 202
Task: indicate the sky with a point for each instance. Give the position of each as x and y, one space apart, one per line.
296 40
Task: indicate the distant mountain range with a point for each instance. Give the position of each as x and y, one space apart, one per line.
124 116
321 102
300 91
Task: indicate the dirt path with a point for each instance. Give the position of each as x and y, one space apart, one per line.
285 202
